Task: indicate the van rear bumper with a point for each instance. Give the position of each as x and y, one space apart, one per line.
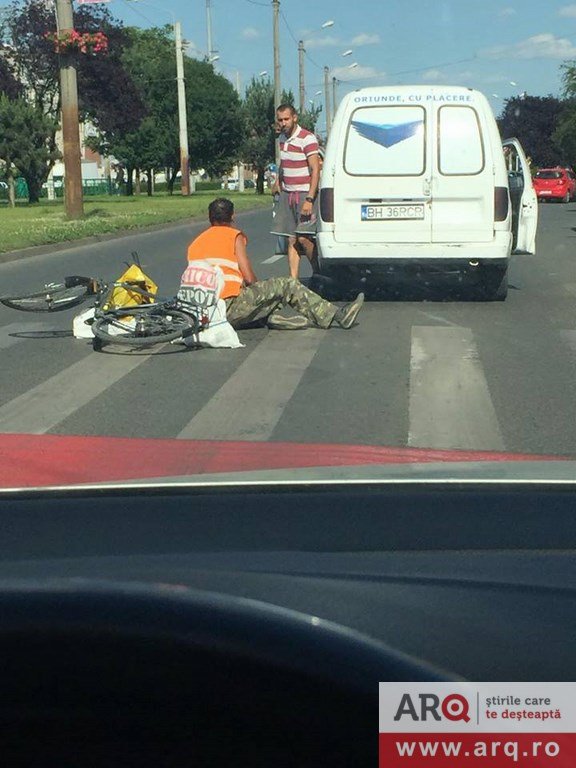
333 253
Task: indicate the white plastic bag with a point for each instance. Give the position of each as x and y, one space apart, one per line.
218 332
201 285
80 327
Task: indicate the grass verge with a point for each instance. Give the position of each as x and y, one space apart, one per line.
45 223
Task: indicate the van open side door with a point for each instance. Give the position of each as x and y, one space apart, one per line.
522 197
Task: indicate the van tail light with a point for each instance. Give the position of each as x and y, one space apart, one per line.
327 204
500 203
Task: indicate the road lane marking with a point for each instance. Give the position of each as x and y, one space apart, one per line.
46 405
276 257
249 405
450 404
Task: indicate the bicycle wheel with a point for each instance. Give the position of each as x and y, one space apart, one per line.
54 298
141 326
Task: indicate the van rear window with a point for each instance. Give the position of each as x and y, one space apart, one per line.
386 141
460 147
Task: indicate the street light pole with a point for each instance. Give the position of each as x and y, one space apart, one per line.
182 118
327 100
70 121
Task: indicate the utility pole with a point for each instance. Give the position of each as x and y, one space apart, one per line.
209 29
302 89
73 201
327 101
277 88
182 119
240 166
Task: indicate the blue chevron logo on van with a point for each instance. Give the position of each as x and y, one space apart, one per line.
386 134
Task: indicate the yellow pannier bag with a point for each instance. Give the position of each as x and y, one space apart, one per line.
121 296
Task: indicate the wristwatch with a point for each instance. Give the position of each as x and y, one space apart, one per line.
309 199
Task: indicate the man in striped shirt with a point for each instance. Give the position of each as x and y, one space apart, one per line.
299 179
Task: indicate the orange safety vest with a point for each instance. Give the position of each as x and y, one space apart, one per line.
217 246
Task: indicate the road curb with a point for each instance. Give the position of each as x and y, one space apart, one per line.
66 245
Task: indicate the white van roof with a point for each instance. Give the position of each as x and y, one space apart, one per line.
401 94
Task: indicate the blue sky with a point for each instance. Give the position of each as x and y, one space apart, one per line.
502 47
485 44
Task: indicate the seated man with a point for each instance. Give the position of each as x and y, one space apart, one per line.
249 300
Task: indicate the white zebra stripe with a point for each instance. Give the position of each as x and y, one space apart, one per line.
450 404
249 405
49 403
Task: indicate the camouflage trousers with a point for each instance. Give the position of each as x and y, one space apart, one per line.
258 301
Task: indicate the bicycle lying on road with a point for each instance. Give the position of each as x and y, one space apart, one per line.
144 320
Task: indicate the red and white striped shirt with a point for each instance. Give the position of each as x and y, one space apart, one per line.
294 154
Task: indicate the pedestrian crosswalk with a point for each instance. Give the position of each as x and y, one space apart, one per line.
450 401
50 402
281 387
250 404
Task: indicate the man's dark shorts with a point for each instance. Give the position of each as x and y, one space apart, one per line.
287 219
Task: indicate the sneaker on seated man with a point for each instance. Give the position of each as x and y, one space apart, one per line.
249 300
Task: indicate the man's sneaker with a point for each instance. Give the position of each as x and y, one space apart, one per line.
280 322
347 314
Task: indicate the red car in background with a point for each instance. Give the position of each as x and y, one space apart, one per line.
555 184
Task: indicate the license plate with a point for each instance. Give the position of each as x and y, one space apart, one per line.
392 212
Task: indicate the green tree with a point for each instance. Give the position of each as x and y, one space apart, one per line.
149 62
565 134
213 111
25 143
568 70
259 137
309 118
29 55
215 125
533 120
107 95
9 86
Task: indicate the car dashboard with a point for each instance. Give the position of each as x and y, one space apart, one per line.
239 625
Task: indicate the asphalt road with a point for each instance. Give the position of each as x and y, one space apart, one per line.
421 369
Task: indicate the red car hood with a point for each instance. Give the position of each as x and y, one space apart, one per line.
53 460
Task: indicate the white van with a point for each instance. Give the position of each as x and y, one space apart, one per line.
416 177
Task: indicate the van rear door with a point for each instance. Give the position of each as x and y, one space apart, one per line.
463 179
527 205
384 179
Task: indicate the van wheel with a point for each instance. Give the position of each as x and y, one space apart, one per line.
495 283
566 198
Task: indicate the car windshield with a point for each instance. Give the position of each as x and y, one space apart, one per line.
287 383
268 239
